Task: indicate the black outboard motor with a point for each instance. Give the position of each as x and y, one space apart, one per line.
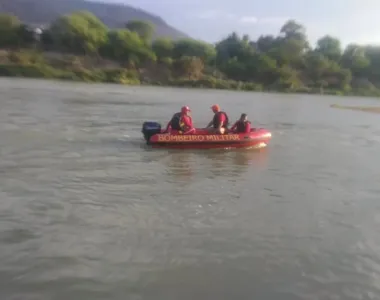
149 129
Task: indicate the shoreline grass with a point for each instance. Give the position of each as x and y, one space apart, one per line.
135 78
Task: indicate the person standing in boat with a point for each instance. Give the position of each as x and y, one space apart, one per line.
181 122
242 125
220 121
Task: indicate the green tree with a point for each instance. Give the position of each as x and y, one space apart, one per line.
329 47
337 77
25 36
266 43
9 27
193 48
80 32
143 28
373 69
189 67
293 45
163 48
261 68
126 46
9 21
288 79
244 60
315 67
355 58
233 46
292 29
234 69
47 40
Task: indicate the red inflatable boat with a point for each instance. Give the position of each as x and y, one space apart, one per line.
155 137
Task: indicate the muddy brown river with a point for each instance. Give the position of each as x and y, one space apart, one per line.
88 212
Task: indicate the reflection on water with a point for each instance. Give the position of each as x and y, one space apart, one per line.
179 165
87 211
228 163
374 109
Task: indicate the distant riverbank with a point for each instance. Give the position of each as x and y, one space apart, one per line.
80 47
47 65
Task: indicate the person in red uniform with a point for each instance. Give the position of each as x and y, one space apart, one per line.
181 122
242 125
220 121
186 122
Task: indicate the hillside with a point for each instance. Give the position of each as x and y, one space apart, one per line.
43 12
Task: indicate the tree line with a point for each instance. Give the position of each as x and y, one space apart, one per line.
283 62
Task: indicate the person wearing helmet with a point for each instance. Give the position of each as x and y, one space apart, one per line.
242 125
186 122
220 121
181 122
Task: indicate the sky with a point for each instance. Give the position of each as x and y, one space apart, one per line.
211 20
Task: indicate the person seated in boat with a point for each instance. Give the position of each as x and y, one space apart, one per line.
181 123
186 122
242 125
219 123
174 123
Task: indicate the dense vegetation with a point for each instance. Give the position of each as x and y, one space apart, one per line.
80 47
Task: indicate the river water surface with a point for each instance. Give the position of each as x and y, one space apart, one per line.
87 212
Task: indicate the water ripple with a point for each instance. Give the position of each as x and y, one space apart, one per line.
87 211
